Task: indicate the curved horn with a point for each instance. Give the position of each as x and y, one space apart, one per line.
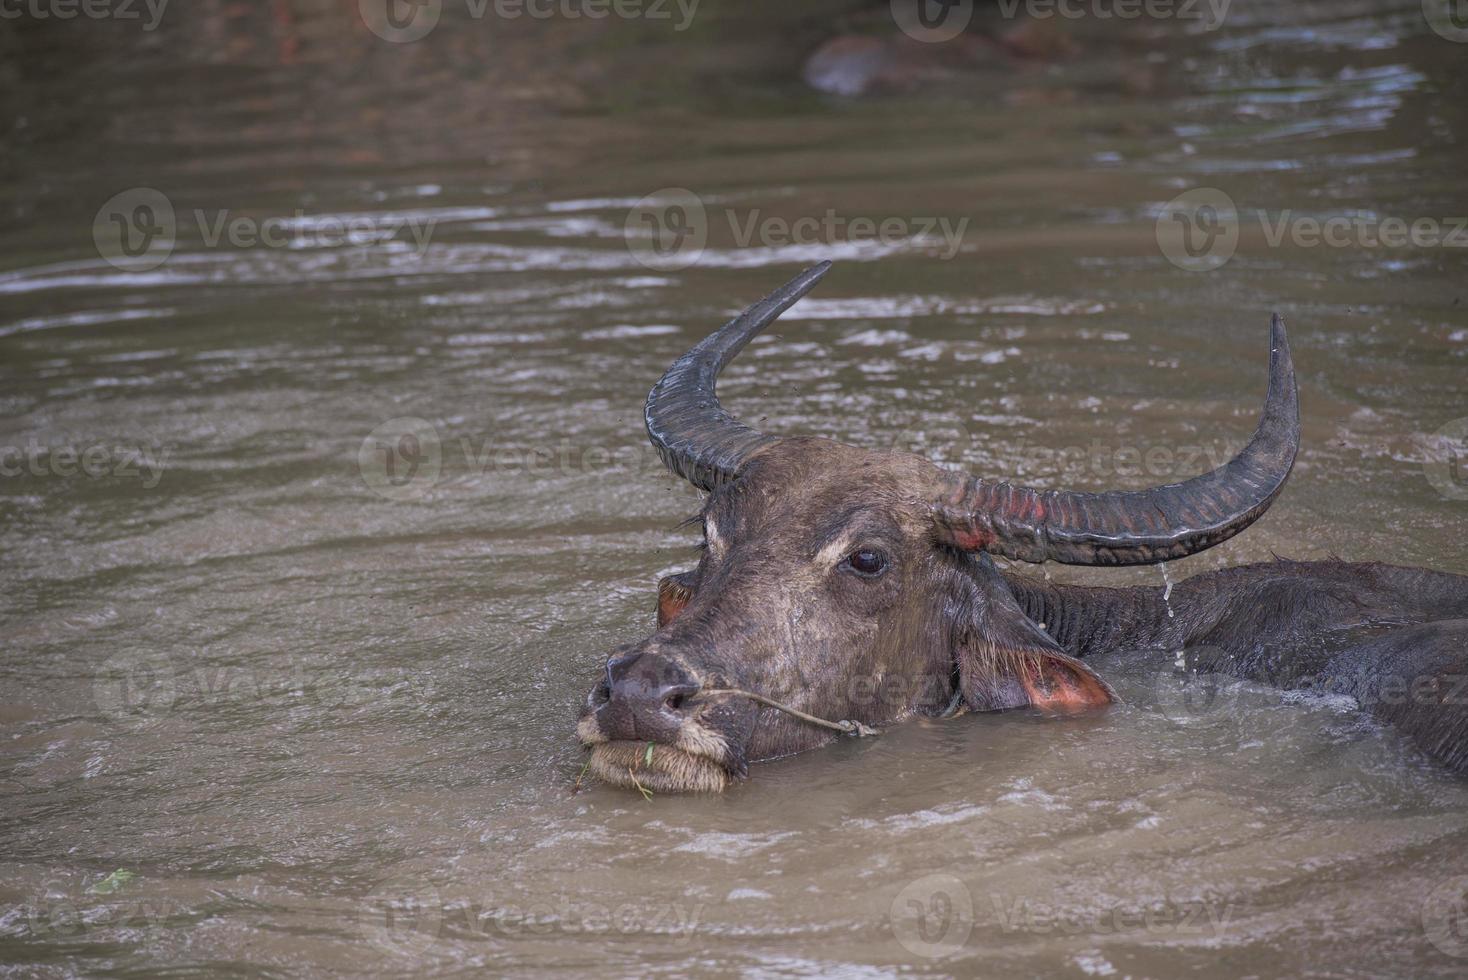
693 434
1134 527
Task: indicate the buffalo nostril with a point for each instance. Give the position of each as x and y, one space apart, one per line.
675 696
648 697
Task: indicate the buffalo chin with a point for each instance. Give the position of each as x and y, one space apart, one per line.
669 770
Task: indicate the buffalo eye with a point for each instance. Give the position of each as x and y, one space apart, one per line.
867 563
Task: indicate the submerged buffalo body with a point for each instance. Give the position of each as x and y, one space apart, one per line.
849 584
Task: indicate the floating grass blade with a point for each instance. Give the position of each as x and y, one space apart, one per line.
112 882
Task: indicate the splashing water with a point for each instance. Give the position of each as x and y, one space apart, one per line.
1166 589
1179 659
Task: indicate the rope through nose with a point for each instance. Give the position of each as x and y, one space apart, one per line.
846 727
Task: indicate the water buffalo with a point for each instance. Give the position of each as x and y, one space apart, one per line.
854 585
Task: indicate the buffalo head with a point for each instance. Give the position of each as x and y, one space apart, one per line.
851 584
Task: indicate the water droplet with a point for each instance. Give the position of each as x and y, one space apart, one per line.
1180 659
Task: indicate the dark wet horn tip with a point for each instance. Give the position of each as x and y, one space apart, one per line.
692 433
1134 527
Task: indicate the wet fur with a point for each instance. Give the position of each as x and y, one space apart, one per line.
766 611
1393 638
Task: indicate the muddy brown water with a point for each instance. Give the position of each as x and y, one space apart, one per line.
313 685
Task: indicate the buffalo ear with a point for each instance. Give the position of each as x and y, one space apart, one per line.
674 592
994 678
1006 661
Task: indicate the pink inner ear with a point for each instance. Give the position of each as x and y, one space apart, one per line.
1054 685
672 597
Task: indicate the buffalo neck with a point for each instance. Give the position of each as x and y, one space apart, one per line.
1088 620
